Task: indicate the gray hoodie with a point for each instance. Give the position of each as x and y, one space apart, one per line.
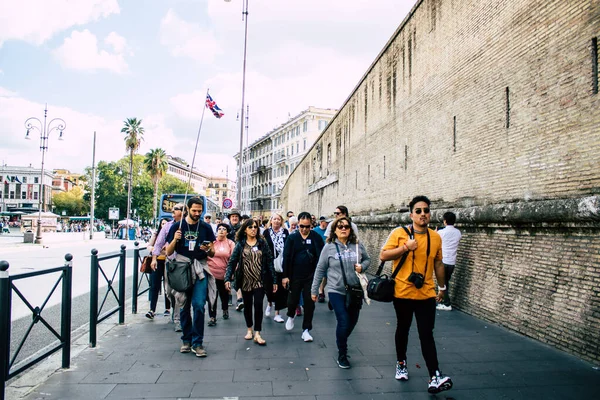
329 265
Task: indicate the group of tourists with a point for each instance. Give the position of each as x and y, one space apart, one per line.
296 263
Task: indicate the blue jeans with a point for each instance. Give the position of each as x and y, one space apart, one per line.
196 298
346 320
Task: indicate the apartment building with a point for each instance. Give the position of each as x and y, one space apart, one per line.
22 187
269 161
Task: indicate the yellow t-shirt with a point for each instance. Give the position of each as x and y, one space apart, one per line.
405 289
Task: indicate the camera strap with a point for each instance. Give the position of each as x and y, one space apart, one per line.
412 236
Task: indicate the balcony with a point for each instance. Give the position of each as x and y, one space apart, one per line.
261 169
280 158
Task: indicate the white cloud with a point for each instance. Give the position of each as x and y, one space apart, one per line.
185 39
35 21
7 93
80 52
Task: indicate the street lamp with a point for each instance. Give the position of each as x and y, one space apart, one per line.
239 175
44 128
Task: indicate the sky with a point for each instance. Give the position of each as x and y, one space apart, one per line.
96 63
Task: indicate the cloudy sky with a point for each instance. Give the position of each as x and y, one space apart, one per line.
98 62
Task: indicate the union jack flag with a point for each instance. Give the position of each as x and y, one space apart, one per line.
212 106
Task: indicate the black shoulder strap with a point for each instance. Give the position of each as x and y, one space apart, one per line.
402 260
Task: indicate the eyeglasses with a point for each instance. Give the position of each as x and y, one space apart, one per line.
421 210
253 227
304 226
343 227
336 213
176 209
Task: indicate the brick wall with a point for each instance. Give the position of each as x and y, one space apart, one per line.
480 103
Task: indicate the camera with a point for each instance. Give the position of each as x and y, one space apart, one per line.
416 279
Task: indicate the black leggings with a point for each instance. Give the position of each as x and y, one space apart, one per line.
255 297
424 311
223 293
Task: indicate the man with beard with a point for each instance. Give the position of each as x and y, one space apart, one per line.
193 238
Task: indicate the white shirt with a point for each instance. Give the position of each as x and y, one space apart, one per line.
450 238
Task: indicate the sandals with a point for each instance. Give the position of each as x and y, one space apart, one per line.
248 335
258 340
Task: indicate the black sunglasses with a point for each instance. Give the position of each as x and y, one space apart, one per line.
419 210
177 209
304 226
343 227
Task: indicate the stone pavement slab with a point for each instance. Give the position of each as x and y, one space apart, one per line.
141 359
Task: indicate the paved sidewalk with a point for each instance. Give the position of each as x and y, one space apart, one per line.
141 360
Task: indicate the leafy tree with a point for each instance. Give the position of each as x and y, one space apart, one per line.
134 133
156 165
71 202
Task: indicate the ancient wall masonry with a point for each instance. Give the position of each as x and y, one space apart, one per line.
490 108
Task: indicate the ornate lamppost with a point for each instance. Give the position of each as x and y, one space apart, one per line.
44 128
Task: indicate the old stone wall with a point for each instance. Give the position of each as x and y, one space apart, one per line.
480 105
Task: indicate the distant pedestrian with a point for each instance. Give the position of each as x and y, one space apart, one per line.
340 258
158 273
300 257
450 239
234 222
289 215
341 211
321 229
251 266
414 289
218 265
276 236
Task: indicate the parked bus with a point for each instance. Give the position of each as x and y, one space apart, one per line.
168 201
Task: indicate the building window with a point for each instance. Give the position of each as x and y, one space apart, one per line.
304 143
35 195
297 147
24 179
322 124
36 180
12 194
23 195
305 126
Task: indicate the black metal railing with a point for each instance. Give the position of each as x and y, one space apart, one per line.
137 278
96 315
7 287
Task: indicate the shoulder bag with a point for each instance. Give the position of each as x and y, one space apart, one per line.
145 267
179 274
381 287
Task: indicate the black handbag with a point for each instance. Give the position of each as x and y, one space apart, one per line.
381 287
179 274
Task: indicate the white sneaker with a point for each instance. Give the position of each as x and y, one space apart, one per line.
401 371
289 324
444 307
278 318
306 336
268 310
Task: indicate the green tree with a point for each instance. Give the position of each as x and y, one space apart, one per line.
134 133
71 202
156 165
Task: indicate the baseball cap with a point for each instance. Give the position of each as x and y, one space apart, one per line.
207 215
179 206
322 218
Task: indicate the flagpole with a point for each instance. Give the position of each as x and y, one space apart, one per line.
194 157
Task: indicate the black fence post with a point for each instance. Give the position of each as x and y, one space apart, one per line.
122 285
136 266
65 326
93 297
4 325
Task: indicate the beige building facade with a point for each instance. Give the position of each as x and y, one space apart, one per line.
490 108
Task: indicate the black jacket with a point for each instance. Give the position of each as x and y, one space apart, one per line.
235 268
299 257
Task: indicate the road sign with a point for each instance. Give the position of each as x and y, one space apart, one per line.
113 213
227 203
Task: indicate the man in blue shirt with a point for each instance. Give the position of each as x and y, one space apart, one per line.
193 238
321 228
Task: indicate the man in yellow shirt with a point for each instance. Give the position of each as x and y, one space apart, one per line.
415 289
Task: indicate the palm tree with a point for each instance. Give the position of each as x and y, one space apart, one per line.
156 165
133 131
